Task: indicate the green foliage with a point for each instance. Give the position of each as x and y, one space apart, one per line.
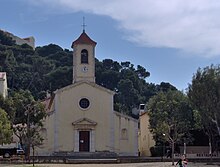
25 114
170 116
5 39
35 112
35 70
49 68
204 93
157 151
5 128
59 78
28 118
164 87
48 50
7 105
128 82
20 100
141 72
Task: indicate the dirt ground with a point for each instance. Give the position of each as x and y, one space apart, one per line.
152 164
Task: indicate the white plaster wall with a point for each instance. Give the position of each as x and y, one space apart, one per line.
3 85
78 74
47 147
126 146
146 138
69 111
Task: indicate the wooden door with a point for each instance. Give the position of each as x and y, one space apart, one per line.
84 141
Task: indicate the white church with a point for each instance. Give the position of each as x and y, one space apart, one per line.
81 118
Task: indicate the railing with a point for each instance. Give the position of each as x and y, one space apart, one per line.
198 155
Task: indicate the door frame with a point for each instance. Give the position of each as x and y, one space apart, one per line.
91 139
84 141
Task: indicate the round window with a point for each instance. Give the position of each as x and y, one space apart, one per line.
84 103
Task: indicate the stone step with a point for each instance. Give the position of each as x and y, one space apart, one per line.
88 155
91 161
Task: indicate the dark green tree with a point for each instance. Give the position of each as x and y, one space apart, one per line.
6 39
48 50
204 93
141 72
5 128
26 115
49 68
8 106
170 117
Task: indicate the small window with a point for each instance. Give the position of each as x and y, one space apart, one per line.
84 56
43 132
84 103
124 134
142 106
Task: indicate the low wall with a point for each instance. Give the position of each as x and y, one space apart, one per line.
195 149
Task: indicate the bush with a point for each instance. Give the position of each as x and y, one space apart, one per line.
156 151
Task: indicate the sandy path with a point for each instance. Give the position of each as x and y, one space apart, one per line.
155 164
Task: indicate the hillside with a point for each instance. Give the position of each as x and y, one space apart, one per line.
48 68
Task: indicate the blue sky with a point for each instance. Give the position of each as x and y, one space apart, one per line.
170 38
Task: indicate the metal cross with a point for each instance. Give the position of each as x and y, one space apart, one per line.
84 25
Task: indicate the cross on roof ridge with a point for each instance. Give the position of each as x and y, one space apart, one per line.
84 25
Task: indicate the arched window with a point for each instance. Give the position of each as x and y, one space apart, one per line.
84 56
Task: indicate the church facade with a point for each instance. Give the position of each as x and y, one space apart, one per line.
81 118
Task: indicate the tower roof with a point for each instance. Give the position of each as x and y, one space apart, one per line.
83 39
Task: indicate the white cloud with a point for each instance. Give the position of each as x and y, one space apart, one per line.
189 25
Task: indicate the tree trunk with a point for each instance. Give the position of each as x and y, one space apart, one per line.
216 123
28 153
210 150
33 155
172 152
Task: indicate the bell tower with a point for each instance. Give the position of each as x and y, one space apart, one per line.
83 58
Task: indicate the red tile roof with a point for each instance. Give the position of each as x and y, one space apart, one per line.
48 102
84 39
